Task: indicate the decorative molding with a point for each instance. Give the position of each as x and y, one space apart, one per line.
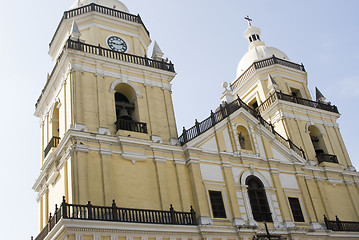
288 224
156 139
78 237
121 80
79 127
205 221
238 222
104 131
134 156
315 226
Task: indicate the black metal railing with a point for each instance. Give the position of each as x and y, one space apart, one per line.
54 142
93 7
225 111
323 157
116 214
339 225
130 125
98 50
265 63
290 98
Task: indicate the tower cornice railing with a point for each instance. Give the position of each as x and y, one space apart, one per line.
100 51
93 7
290 98
116 214
265 63
222 113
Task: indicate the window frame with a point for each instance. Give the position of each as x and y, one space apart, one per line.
214 215
294 216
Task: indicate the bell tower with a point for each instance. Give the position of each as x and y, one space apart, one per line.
278 90
104 103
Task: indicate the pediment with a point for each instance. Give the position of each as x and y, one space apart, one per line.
260 142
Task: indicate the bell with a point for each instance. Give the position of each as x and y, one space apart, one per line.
123 114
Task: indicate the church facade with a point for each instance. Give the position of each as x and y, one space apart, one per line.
268 163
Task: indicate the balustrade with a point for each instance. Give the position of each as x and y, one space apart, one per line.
225 111
117 214
323 157
339 225
54 142
302 101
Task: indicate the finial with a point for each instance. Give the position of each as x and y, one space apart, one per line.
157 53
249 21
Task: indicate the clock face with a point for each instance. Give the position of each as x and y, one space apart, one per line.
117 44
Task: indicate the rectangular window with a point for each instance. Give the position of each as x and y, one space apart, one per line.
217 204
296 209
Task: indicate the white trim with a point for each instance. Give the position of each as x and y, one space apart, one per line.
308 124
225 201
119 81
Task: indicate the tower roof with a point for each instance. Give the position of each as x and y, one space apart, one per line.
257 50
115 4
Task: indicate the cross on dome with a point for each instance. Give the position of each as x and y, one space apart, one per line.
249 21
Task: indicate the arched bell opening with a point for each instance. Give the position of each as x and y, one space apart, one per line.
127 114
55 122
317 140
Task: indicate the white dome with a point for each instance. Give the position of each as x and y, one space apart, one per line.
115 4
257 53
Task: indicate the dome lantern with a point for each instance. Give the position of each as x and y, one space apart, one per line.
257 50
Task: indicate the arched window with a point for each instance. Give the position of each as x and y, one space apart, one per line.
243 138
127 114
317 140
258 199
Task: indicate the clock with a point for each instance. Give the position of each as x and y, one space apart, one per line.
117 44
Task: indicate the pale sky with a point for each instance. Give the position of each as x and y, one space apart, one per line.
203 38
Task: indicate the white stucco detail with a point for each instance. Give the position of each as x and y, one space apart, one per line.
236 173
277 155
211 172
121 80
260 146
288 181
227 140
267 178
210 145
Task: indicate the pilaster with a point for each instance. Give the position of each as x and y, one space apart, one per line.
231 191
182 186
198 191
161 178
282 199
308 206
